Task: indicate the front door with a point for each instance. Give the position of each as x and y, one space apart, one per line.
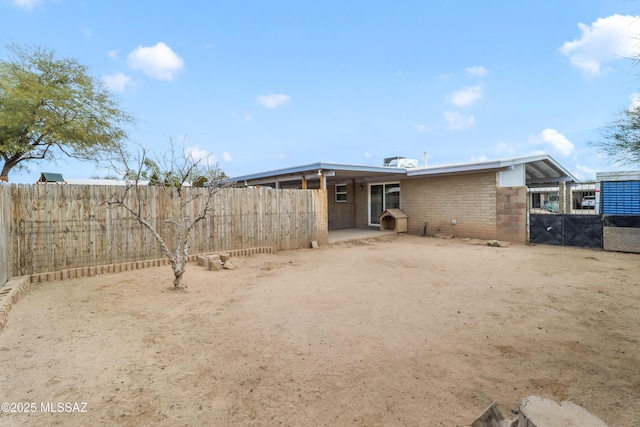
381 198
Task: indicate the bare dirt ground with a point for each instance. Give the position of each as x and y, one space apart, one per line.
398 331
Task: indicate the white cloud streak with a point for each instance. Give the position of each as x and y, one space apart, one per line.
605 40
466 96
457 121
273 100
158 62
478 71
27 4
117 82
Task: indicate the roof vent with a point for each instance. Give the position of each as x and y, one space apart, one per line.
400 162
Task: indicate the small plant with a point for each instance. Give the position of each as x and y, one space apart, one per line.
173 174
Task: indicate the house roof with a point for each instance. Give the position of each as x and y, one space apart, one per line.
334 172
538 169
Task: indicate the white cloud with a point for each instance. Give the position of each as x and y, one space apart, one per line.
280 156
113 54
226 157
26 4
367 154
481 158
273 100
421 128
457 121
116 82
196 153
605 40
248 117
554 140
159 61
466 96
479 71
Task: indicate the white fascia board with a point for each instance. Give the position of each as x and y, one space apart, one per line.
460 168
618 176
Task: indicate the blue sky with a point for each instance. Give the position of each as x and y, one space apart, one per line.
262 85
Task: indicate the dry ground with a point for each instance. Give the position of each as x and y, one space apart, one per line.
399 331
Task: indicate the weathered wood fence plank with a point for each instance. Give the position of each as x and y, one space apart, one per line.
5 233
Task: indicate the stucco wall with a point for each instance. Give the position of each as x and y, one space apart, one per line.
470 200
341 214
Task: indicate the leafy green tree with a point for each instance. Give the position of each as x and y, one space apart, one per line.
51 107
621 138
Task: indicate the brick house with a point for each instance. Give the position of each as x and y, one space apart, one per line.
484 199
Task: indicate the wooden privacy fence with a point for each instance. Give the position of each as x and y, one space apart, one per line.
58 227
5 232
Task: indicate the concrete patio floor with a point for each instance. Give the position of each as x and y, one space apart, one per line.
356 233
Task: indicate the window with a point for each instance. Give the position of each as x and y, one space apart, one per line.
341 193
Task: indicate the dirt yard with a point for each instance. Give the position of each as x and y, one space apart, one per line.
393 331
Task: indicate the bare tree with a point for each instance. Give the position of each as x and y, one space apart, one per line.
172 174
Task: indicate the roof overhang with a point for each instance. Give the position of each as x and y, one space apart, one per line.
540 169
335 173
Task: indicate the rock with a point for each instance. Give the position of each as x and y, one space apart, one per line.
228 266
492 417
224 256
494 243
536 411
215 264
314 244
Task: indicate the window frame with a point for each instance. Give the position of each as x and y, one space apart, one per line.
341 193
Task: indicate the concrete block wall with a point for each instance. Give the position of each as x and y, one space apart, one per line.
511 214
470 200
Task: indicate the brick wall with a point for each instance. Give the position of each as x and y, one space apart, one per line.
470 200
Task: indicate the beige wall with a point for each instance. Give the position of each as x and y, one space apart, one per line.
481 210
511 214
341 214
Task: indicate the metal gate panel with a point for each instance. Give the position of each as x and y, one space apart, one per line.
545 229
566 230
584 231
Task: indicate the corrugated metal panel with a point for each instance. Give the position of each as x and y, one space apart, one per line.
513 178
621 197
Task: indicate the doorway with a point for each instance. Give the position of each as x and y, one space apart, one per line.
382 197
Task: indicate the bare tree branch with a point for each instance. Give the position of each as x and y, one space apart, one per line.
172 174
